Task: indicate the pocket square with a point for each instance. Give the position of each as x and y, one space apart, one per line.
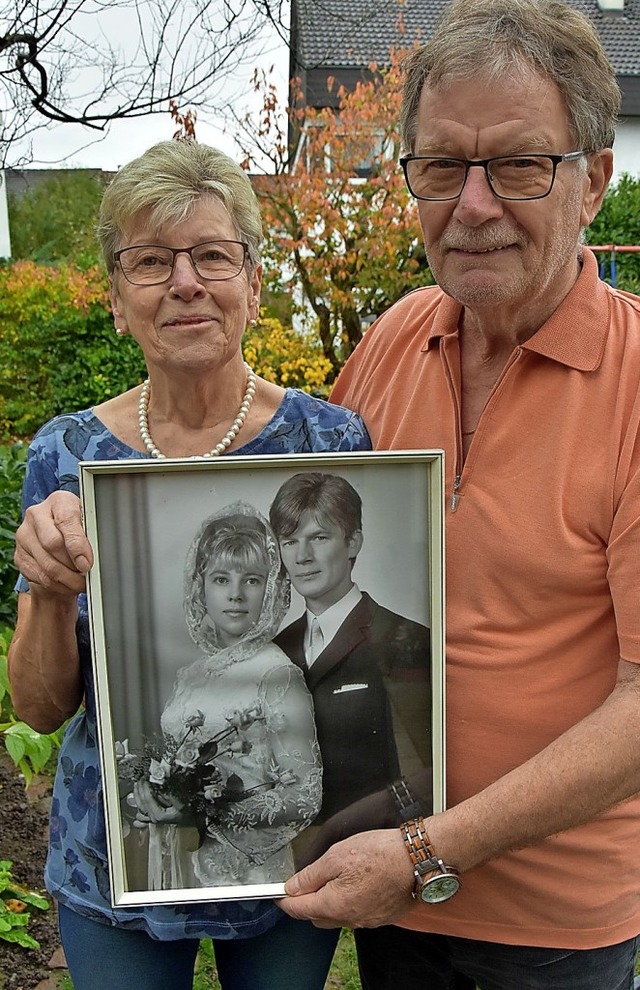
350 687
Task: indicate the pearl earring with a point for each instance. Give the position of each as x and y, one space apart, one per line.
120 333
253 323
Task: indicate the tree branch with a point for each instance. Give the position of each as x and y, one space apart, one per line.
58 64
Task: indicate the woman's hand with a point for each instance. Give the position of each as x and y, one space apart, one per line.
52 550
54 555
155 808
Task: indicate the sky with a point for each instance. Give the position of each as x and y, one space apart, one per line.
74 146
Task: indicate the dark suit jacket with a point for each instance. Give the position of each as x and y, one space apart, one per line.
350 683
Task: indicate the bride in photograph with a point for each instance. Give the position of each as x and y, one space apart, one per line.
240 773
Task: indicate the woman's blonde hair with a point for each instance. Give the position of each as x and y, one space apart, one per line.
501 39
240 535
165 182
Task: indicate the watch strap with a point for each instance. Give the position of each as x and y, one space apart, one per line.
423 857
407 804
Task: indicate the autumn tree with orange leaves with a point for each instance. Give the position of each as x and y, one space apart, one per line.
341 229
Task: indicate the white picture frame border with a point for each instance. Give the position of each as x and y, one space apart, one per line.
421 472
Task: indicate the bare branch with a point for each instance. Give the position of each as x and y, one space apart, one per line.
91 62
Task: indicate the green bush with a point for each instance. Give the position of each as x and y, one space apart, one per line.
55 219
618 222
58 350
31 751
12 464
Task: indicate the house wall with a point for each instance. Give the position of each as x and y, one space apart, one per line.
627 146
626 150
5 240
630 87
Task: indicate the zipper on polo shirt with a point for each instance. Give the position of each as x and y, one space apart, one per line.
455 497
459 457
459 460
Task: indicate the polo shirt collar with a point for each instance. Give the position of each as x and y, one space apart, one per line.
574 335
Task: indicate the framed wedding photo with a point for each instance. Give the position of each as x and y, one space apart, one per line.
268 656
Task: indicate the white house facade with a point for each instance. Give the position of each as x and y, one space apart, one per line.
5 238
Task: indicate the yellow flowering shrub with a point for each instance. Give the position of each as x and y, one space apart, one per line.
286 357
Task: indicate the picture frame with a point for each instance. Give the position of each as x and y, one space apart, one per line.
222 768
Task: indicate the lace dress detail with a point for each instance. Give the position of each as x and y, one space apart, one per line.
250 841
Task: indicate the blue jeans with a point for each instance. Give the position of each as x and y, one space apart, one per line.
293 955
391 958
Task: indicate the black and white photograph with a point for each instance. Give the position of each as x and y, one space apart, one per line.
282 686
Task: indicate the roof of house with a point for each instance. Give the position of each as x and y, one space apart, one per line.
353 33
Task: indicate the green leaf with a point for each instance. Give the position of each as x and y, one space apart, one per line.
5 873
21 937
24 894
29 897
31 745
12 924
15 746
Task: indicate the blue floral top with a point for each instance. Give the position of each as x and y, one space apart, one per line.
76 872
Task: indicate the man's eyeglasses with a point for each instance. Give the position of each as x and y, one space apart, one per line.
510 176
151 264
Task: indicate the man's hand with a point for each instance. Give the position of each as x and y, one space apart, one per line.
361 882
52 550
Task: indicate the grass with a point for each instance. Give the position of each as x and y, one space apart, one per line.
344 970
205 975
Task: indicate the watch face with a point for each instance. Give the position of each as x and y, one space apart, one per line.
440 888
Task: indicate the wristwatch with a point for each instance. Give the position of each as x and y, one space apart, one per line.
435 882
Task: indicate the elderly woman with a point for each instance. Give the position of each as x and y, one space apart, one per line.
180 231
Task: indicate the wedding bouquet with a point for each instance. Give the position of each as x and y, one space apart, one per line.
186 769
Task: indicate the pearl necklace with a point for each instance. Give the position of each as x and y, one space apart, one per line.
220 448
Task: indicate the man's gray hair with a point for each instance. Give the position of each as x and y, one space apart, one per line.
503 39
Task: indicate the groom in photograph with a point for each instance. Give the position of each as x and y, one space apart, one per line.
368 669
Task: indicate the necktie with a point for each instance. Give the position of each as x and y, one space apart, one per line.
316 641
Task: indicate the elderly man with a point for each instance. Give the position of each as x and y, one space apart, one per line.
524 367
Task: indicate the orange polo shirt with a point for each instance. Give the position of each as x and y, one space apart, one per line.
543 580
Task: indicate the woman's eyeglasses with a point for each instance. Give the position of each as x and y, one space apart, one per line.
151 264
